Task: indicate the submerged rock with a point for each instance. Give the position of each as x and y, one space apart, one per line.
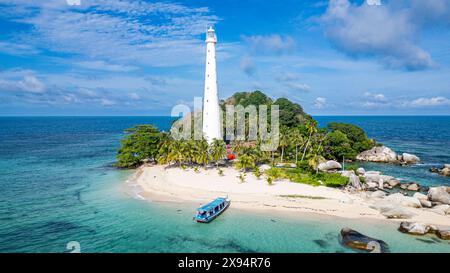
378 154
356 240
439 194
445 171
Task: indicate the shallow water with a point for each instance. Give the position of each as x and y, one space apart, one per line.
57 185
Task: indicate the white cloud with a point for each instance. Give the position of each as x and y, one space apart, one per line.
102 65
375 97
389 32
21 81
320 102
298 86
430 102
154 34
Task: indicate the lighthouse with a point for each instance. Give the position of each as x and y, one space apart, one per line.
212 127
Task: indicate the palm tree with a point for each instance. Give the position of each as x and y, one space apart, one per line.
164 150
312 128
284 141
202 155
245 162
298 140
176 152
218 151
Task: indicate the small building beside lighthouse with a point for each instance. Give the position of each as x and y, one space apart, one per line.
212 127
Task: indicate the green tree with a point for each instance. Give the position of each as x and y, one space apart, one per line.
218 151
201 154
245 162
284 140
312 128
141 142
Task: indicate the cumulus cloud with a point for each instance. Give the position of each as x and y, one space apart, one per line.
274 44
375 97
21 82
320 102
389 32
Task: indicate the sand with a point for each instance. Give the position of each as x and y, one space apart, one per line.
172 184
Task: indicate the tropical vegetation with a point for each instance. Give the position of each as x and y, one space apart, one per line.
302 144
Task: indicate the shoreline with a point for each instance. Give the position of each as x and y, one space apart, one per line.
164 184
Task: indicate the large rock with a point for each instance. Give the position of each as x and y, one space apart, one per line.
439 194
347 173
413 187
441 209
443 234
378 194
360 171
423 199
400 199
356 240
392 211
354 181
330 165
378 154
414 228
410 158
264 167
393 182
444 171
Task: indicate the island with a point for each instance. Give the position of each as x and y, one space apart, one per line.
313 170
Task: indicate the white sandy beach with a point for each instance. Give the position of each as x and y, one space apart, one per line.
167 184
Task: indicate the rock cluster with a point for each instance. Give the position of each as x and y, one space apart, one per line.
386 155
445 171
422 229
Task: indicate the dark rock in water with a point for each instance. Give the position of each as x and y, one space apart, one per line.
426 241
321 243
356 240
445 171
443 234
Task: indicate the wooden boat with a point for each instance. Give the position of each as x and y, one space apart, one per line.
210 211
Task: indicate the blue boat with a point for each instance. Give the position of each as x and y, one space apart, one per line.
210 211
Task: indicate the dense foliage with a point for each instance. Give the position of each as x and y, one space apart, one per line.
346 141
141 142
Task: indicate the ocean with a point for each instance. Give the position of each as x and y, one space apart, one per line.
58 185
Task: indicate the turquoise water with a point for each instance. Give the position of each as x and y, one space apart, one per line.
58 185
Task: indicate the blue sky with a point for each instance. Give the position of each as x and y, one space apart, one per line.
127 57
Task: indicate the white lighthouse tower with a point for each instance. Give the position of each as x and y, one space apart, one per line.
212 127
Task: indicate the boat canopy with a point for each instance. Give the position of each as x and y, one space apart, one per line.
212 205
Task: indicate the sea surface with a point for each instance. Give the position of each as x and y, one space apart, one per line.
58 185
